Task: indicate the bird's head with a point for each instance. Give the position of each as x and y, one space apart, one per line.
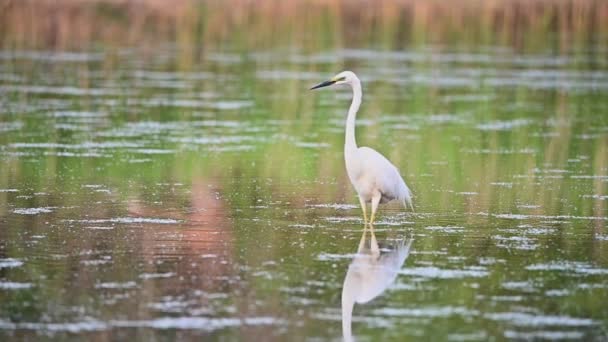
345 77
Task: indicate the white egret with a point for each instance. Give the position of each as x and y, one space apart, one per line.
374 177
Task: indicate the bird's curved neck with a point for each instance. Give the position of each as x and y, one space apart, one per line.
350 142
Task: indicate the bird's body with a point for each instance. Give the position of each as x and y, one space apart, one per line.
371 174
374 177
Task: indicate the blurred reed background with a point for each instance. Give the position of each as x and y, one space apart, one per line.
311 25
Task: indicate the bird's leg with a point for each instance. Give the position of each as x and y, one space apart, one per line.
375 201
362 201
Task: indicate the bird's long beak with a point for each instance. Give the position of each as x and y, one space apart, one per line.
323 84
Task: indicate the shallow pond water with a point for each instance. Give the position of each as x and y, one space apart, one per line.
140 199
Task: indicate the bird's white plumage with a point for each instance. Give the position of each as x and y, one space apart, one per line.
370 173
374 177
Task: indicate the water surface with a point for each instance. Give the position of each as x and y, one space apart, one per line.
143 199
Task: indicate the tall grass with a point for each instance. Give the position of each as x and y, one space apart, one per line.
523 24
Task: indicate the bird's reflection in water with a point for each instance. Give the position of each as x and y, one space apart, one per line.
370 274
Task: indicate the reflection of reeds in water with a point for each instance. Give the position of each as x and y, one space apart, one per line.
311 24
